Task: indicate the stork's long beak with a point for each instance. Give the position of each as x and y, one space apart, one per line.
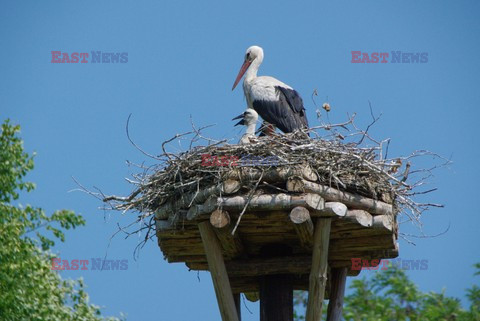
244 68
242 121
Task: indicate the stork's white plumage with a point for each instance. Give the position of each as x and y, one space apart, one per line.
248 119
276 102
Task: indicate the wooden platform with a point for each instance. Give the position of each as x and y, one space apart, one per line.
284 216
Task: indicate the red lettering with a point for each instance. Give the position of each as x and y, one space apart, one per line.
385 264
206 157
66 266
375 58
75 59
65 58
55 59
384 55
365 265
224 160
84 55
375 263
365 58
83 263
355 57
55 265
74 265
356 264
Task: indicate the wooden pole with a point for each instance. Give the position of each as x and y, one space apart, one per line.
318 274
276 291
276 297
236 298
216 265
335 304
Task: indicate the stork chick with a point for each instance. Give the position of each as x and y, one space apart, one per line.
249 120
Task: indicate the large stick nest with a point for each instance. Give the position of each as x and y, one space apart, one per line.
347 158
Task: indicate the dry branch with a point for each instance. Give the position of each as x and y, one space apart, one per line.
343 163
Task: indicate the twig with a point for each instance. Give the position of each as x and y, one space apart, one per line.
252 191
133 143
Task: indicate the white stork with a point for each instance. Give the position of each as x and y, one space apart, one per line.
249 119
276 102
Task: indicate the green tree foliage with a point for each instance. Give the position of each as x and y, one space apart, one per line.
390 295
29 288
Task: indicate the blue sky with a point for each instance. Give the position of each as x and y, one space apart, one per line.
182 60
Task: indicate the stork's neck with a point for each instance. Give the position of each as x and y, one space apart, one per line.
250 129
253 69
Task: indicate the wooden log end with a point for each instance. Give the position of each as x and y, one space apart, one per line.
295 184
383 222
299 215
219 218
359 217
309 174
192 212
303 224
336 208
314 201
195 211
231 186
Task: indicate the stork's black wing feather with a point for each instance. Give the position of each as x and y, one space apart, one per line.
287 113
274 112
295 102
